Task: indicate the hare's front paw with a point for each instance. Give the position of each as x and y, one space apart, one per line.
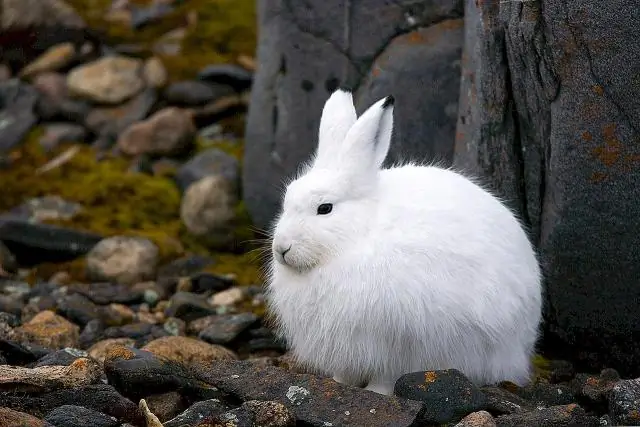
381 387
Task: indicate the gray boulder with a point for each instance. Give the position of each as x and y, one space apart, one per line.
308 49
550 117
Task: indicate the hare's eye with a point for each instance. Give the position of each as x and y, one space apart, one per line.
325 208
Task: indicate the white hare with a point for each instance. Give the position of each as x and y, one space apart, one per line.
381 272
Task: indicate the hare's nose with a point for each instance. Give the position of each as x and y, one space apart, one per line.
282 250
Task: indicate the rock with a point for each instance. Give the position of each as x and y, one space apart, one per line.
624 402
188 306
221 108
108 80
299 67
10 305
109 122
5 73
566 415
193 93
17 353
64 357
107 292
448 395
142 333
477 419
133 372
152 420
99 397
197 412
313 400
239 78
166 405
57 133
271 414
208 209
155 73
49 330
34 243
263 339
17 115
53 59
8 264
175 327
208 282
561 371
168 132
124 260
51 85
223 329
188 351
77 416
544 394
228 297
20 14
45 208
145 15
595 389
81 372
501 401
99 350
65 110
185 266
210 162
549 119
11 418
91 333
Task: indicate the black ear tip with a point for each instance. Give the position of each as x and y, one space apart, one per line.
389 100
345 88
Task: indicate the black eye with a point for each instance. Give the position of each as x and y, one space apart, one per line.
325 208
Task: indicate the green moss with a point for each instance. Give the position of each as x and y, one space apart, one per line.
233 148
541 367
224 29
245 267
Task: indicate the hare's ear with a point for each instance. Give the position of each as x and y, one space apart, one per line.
338 115
367 142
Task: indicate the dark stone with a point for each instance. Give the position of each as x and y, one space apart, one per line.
209 282
185 266
209 162
624 402
67 110
143 16
57 133
501 401
188 306
91 334
7 260
107 293
313 400
21 353
255 413
197 412
79 309
141 332
17 115
561 371
225 328
138 373
264 339
34 243
98 397
448 395
336 44
595 390
64 357
549 118
78 416
544 394
555 416
194 93
232 75
11 305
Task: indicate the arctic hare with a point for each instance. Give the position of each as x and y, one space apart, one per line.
380 272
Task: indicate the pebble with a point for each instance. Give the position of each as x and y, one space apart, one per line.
78 416
165 405
477 419
49 330
155 73
210 162
225 328
108 80
11 418
57 133
99 350
560 416
53 59
81 372
624 402
233 75
197 412
228 297
124 260
188 306
189 352
191 93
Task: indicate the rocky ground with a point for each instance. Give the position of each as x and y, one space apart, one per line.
129 292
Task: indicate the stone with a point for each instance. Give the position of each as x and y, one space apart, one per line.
141 332
8 263
313 400
307 51
193 93
197 412
99 350
624 402
17 115
150 417
98 397
49 330
187 351
554 416
141 16
53 59
208 210
5 73
155 73
166 405
255 413
78 416
124 260
227 297
210 162
225 328
45 208
448 395
64 357
549 120
79 309
19 14
188 306
218 110
501 401
595 389
239 78
107 292
21 353
544 394
81 372
108 80
58 133
209 282
52 85
477 419
11 418
185 266
167 132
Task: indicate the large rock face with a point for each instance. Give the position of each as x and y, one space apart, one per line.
550 115
306 50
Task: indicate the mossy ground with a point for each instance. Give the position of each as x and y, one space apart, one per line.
116 202
224 29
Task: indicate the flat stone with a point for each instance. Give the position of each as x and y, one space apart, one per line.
78 416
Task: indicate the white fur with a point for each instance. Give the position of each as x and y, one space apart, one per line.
416 267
